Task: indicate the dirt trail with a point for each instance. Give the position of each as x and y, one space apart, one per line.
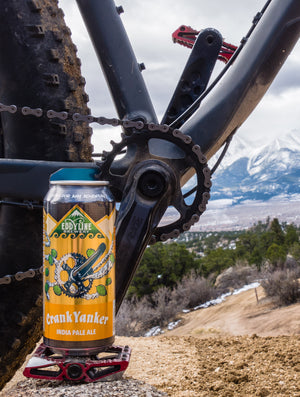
242 315
238 348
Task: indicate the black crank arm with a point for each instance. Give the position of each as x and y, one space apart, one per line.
196 74
142 207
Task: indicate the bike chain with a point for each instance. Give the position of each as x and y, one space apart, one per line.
19 276
114 122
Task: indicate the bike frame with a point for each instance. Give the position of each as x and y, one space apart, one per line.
223 108
222 111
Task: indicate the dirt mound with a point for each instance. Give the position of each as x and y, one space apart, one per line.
238 348
222 366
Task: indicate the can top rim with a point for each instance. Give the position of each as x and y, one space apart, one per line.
79 182
77 176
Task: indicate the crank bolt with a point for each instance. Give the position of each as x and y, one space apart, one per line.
152 184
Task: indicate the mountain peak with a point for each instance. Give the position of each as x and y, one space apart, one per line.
259 173
241 147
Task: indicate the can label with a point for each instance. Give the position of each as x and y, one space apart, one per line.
79 274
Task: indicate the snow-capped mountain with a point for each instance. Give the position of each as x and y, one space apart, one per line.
260 173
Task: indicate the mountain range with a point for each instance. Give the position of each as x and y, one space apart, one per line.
260 173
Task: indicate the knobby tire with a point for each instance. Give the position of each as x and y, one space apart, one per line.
38 68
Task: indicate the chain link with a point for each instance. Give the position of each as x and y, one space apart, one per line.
114 122
52 114
19 276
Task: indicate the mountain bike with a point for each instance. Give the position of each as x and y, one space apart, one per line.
45 125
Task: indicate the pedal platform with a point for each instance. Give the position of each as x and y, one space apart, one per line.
107 364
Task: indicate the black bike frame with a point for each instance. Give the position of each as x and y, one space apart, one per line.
230 102
222 111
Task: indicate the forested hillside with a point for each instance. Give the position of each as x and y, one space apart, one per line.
200 266
266 243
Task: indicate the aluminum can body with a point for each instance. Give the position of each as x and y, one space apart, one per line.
79 266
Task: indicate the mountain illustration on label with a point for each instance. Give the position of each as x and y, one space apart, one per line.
76 223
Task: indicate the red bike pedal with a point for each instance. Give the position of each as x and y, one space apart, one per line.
107 364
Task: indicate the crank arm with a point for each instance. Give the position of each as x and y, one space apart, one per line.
145 201
196 74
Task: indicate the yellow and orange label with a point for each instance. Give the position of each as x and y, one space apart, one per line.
79 277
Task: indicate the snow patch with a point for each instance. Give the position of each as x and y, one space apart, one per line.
154 331
246 288
222 298
173 324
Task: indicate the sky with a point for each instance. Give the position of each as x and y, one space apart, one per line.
149 25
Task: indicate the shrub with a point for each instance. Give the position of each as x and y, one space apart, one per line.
162 265
276 254
193 290
215 261
236 277
166 306
134 317
283 286
295 251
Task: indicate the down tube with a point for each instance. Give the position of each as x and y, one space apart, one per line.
228 105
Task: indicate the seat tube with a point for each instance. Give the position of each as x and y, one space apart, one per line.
117 59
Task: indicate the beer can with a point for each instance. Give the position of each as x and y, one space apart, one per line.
79 262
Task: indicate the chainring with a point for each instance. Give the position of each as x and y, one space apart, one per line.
134 146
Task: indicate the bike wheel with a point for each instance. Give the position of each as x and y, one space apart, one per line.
38 68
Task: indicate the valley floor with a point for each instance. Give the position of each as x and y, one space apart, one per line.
221 216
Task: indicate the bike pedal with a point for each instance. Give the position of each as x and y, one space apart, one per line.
109 363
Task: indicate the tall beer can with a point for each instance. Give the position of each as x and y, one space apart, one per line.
79 262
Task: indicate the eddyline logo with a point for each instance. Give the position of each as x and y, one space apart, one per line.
76 222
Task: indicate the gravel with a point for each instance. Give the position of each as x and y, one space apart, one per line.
120 388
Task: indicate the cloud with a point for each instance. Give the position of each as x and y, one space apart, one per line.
289 77
275 116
